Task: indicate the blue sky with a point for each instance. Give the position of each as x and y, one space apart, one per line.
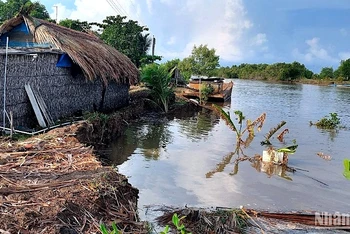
313 32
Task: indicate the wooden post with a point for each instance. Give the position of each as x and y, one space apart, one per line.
153 47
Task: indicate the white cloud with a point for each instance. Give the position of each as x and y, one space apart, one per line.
222 25
218 24
62 12
260 39
314 52
344 55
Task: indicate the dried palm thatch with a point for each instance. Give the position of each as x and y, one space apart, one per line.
95 58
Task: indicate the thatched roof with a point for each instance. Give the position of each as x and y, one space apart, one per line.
95 58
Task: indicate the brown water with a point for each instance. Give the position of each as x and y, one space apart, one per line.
187 161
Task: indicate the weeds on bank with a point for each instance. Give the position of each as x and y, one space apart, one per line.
180 227
328 122
105 230
96 116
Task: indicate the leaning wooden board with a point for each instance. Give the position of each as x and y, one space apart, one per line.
35 106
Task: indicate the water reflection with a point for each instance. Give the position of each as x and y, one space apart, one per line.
271 169
151 138
256 162
198 127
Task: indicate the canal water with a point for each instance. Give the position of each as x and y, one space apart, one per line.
189 160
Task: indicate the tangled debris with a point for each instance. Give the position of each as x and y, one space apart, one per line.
225 220
51 183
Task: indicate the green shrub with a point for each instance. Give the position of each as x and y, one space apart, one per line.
158 79
205 91
326 122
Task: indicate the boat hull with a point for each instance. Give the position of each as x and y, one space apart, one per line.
223 94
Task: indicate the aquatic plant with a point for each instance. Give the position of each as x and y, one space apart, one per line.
250 126
328 122
240 130
158 79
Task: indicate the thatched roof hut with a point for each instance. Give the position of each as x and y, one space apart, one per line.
95 58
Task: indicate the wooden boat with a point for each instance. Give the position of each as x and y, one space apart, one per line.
222 91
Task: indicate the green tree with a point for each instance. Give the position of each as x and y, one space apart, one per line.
327 72
128 37
10 8
204 60
39 11
75 24
344 69
185 67
171 64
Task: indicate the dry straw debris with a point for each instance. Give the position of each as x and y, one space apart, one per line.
53 184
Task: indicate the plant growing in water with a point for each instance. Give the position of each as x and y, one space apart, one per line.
240 130
250 127
327 122
205 91
158 79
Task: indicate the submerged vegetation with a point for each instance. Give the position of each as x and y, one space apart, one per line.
328 122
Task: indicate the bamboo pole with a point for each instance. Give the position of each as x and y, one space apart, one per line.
5 80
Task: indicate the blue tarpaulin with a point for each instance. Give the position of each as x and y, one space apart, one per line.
64 61
20 36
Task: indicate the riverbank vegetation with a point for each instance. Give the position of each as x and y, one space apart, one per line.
291 72
158 79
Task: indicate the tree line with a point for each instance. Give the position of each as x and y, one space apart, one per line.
203 61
